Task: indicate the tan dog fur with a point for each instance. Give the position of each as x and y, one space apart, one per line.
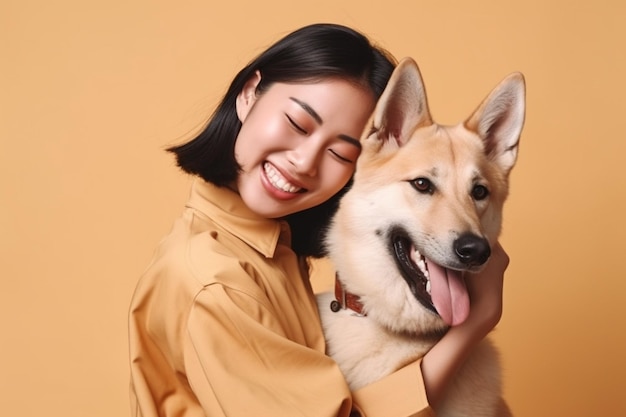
425 183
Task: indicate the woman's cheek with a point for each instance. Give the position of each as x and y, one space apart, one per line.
275 132
338 174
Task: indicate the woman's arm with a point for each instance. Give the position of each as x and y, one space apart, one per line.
239 362
440 364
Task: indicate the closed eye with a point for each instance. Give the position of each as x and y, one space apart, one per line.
338 156
296 125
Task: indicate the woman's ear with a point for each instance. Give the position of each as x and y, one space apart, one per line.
247 96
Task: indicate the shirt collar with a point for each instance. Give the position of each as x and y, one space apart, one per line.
226 208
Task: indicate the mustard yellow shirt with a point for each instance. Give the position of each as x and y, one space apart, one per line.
224 323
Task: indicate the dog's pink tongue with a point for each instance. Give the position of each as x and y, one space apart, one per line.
449 294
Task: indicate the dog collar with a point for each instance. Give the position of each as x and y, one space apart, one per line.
345 300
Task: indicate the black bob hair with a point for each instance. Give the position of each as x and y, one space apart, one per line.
309 54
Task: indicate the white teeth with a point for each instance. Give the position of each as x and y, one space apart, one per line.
278 180
421 264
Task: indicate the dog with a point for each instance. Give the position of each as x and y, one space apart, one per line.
425 206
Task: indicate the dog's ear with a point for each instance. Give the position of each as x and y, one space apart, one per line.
402 107
499 119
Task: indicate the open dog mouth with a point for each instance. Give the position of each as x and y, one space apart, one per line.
414 273
437 288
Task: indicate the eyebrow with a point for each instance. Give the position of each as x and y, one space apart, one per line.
319 120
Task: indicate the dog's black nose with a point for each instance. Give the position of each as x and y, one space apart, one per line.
472 250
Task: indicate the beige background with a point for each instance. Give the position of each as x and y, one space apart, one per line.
92 91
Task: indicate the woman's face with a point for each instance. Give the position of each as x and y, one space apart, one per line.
298 143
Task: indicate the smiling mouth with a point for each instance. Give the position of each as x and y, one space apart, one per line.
279 182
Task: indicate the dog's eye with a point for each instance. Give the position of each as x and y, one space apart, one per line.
480 192
423 185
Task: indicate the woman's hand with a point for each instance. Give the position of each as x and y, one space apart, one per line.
485 291
440 364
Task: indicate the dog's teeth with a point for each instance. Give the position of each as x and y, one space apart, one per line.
421 264
423 267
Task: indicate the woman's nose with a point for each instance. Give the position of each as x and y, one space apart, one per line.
306 157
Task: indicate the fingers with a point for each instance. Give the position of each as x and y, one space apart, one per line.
499 258
486 289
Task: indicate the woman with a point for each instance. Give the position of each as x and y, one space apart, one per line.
224 321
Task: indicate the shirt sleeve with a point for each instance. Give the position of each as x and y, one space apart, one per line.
239 362
401 394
